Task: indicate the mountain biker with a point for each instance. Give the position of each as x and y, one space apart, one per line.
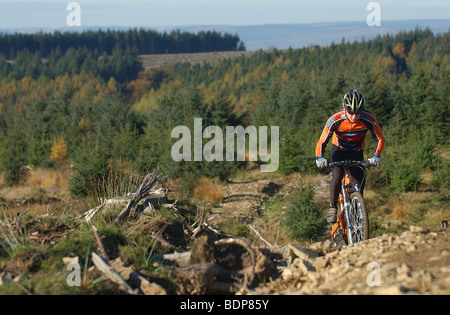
348 128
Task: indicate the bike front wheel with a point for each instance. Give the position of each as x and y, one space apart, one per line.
359 218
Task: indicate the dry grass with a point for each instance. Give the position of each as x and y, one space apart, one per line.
400 211
208 189
426 179
409 203
418 208
44 178
37 180
41 191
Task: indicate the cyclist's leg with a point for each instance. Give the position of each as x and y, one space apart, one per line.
335 186
359 177
358 173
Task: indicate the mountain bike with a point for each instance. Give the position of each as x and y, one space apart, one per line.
352 225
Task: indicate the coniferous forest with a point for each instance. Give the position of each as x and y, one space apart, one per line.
98 103
144 41
82 104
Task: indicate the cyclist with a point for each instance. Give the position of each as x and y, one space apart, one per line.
348 128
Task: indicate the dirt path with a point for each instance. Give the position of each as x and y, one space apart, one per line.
244 199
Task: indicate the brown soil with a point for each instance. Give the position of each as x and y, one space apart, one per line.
171 231
24 262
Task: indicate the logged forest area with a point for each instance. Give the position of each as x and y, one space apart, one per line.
94 202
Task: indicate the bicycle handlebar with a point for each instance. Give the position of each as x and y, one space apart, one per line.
350 163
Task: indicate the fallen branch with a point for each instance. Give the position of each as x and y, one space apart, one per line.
182 259
27 292
170 205
136 280
202 224
88 215
198 229
101 247
104 267
147 186
260 236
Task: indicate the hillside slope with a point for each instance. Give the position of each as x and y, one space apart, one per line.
158 62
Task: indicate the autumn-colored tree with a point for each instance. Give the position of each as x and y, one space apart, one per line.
59 150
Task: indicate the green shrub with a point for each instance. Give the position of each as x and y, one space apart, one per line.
441 182
425 158
11 168
11 162
441 177
405 177
290 155
304 218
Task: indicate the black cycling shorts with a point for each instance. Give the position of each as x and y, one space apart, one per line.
357 173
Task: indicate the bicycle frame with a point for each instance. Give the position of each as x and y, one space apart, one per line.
344 217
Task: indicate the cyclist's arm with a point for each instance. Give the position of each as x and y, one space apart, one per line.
378 136
327 133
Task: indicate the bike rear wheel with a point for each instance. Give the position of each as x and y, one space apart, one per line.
359 218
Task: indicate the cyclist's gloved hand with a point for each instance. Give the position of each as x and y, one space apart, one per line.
321 162
374 160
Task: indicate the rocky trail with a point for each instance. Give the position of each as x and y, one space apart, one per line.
415 262
243 201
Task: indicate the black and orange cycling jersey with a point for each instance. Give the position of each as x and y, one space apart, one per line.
350 136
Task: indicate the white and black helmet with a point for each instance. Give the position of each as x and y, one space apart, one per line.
353 102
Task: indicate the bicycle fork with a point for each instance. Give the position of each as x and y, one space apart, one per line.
348 219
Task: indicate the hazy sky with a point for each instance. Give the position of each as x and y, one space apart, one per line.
153 13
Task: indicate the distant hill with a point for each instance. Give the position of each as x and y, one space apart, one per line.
283 36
